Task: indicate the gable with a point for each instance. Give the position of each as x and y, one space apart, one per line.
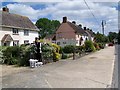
65 27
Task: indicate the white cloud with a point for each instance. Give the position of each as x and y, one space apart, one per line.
74 10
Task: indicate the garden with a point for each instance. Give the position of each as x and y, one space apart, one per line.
20 55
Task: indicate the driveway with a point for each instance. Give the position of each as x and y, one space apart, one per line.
91 71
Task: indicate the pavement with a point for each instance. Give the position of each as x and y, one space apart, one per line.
91 71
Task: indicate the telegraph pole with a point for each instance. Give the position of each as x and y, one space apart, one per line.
103 24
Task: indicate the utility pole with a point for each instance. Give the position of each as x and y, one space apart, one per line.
103 24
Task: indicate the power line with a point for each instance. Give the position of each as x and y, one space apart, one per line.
92 13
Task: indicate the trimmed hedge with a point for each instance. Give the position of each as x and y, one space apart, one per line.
69 49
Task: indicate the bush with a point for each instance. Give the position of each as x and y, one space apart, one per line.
56 56
11 54
96 45
69 49
64 56
101 45
89 46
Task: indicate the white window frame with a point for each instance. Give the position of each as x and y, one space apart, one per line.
26 32
15 31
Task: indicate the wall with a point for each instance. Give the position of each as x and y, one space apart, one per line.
21 37
67 41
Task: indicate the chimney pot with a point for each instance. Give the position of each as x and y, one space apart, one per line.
5 9
64 19
80 25
73 22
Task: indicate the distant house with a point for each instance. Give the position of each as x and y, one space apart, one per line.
50 38
16 29
71 34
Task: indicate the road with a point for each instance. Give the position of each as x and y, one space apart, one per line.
91 71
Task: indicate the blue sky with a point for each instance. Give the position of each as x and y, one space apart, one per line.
74 10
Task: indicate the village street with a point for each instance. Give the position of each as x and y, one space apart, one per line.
91 71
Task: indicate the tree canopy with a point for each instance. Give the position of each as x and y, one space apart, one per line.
47 26
112 36
100 38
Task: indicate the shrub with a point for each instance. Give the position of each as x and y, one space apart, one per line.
11 54
64 56
101 45
69 49
96 45
56 56
89 46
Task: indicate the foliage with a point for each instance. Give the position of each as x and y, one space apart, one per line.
89 46
47 51
101 45
100 38
69 49
47 26
56 47
96 45
64 56
11 54
112 36
56 56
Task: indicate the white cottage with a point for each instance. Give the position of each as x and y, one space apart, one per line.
16 29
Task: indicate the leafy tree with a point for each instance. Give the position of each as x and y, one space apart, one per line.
47 26
100 38
112 36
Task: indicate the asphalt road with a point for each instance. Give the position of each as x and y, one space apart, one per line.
91 71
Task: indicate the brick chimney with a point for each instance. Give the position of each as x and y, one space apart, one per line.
84 28
5 9
64 19
73 22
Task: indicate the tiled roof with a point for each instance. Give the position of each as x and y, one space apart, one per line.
77 29
14 20
6 38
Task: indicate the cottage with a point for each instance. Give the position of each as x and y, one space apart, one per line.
71 34
16 29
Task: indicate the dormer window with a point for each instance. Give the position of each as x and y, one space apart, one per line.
15 31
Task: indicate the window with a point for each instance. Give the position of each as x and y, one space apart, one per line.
15 43
15 31
64 42
58 43
26 41
26 32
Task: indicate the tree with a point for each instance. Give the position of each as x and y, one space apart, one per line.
100 38
47 26
112 36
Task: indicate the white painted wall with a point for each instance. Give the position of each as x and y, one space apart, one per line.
21 37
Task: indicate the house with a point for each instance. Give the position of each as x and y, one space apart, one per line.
71 34
16 29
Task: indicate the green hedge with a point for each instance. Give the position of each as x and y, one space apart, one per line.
69 49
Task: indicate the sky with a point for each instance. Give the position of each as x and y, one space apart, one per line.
89 16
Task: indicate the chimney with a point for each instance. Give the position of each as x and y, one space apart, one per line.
84 28
88 29
80 25
64 19
5 9
73 22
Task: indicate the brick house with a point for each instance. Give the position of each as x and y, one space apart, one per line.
71 34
